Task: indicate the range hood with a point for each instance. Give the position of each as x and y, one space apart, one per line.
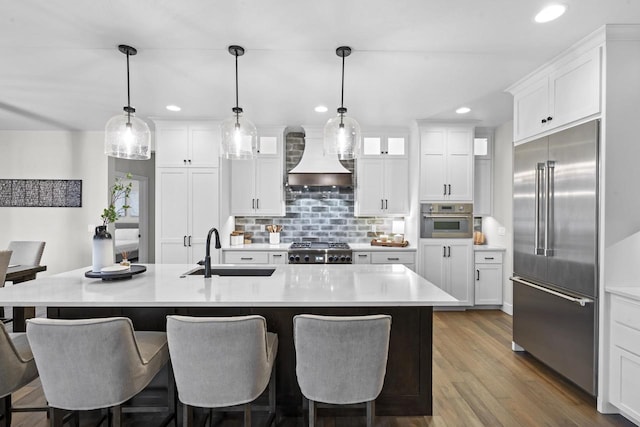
317 170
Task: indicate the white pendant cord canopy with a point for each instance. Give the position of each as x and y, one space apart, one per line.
125 135
239 135
341 133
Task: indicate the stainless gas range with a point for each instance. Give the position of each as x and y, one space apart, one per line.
320 253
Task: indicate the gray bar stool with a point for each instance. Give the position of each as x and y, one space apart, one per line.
94 363
341 360
222 362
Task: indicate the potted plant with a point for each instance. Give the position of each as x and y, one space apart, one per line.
103 255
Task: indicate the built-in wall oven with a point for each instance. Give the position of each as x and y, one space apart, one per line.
446 220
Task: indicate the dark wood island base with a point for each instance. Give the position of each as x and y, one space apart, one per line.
408 381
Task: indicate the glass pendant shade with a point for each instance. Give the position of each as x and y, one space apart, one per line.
239 138
342 136
127 137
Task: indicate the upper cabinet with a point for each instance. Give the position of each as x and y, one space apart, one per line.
187 143
483 166
257 185
562 92
446 162
382 176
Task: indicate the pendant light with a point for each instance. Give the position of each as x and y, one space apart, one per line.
125 135
341 133
239 135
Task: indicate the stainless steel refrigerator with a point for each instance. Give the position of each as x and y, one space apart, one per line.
555 280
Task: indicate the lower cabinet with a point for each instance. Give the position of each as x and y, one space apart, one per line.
488 278
447 263
624 359
408 258
254 257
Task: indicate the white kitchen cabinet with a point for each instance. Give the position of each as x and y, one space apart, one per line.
384 144
257 185
186 208
624 362
447 263
483 167
565 91
407 258
187 143
488 278
255 257
446 163
382 187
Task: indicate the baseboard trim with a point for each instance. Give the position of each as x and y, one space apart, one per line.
508 308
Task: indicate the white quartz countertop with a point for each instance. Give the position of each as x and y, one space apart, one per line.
481 248
163 285
632 292
285 247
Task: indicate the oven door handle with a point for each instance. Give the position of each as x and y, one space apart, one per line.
445 216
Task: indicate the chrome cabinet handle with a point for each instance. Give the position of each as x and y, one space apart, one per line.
445 189
393 259
257 203
444 252
477 274
581 301
386 203
184 241
551 165
381 203
449 189
488 257
449 252
362 255
277 255
246 258
253 203
189 241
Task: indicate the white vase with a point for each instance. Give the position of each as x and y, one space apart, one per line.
102 255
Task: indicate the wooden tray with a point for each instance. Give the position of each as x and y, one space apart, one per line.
375 242
118 275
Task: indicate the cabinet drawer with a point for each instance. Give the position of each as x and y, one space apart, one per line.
393 258
362 257
625 312
253 257
278 258
488 257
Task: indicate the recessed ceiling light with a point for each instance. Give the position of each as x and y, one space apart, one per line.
173 108
463 110
551 12
321 109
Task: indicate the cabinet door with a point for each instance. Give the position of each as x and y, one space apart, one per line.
362 257
278 257
460 257
172 228
530 106
433 165
172 145
575 89
488 284
460 164
204 212
205 146
482 187
370 187
396 186
269 187
432 255
243 177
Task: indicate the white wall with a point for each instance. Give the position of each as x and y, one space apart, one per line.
503 206
55 155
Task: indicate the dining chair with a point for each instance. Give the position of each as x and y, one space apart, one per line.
90 364
5 256
341 360
26 252
222 362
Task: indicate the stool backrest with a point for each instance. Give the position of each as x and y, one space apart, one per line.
16 362
5 256
26 252
341 359
218 361
85 364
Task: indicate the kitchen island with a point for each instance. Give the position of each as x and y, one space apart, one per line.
292 289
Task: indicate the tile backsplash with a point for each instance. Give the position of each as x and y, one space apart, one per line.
315 214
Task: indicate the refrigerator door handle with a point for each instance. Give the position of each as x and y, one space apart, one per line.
581 301
540 168
548 251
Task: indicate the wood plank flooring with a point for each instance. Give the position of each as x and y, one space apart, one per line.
477 381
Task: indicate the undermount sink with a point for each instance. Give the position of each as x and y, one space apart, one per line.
232 271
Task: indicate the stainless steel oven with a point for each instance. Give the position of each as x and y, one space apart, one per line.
446 220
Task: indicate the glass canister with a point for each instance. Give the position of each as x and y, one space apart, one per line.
102 255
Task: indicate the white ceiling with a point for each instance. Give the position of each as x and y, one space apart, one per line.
412 59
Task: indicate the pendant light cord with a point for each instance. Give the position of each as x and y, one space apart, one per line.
237 107
342 90
128 94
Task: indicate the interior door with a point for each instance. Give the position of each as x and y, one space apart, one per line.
529 168
572 264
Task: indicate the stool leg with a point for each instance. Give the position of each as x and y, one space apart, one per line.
56 417
116 421
187 416
371 412
247 415
312 413
5 411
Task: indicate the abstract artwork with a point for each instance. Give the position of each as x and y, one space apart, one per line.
42 193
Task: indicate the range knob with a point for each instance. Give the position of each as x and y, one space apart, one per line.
306 258
330 258
297 258
348 258
291 258
342 258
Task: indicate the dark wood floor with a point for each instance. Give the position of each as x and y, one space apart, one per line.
478 381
